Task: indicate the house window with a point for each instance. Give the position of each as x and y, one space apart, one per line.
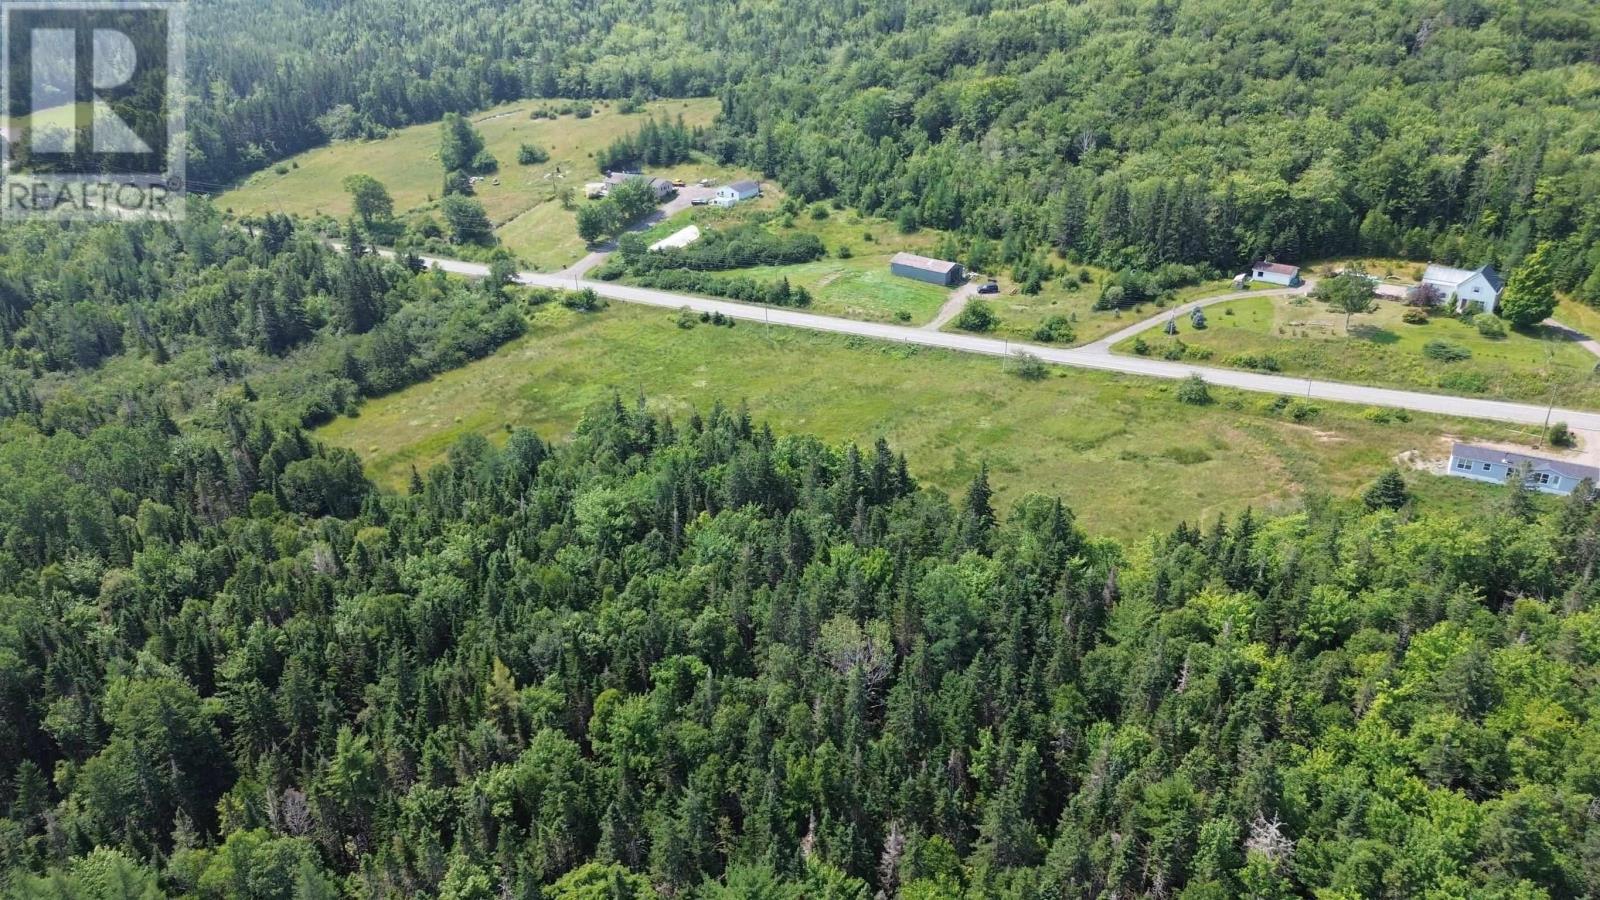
1464 465
1486 467
1539 478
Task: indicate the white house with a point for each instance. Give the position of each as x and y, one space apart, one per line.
1276 273
1462 288
1551 476
729 194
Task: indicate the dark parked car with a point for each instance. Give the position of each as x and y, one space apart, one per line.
989 287
699 201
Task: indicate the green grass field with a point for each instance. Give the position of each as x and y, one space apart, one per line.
1121 450
63 116
1020 314
524 206
1306 338
1576 315
858 287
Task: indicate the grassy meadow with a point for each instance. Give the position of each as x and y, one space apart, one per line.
1304 337
1020 314
63 116
525 206
1121 450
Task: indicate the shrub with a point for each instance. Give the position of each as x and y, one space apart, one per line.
977 316
1414 315
529 154
686 318
585 300
1055 329
1029 367
1141 346
902 315
1194 391
749 290
1383 415
1111 298
1561 435
1445 351
1465 382
1260 362
1489 326
843 252
1175 351
734 248
1301 411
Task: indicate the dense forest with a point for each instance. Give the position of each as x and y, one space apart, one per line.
93 316
1127 133
689 657
693 658
696 659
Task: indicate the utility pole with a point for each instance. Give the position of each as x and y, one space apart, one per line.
1549 363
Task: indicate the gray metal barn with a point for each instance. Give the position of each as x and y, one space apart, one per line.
922 268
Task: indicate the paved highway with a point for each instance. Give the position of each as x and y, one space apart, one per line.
1093 356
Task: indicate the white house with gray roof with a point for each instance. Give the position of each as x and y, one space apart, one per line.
1464 288
734 192
1551 476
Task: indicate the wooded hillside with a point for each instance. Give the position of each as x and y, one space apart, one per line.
1128 133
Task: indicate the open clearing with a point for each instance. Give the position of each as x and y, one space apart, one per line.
1073 296
1303 337
525 206
857 286
1119 449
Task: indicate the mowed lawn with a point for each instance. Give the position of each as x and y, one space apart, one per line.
859 288
1306 338
1122 451
524 206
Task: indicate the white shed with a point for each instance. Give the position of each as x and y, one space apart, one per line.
1276 273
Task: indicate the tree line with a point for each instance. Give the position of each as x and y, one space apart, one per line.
660 142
